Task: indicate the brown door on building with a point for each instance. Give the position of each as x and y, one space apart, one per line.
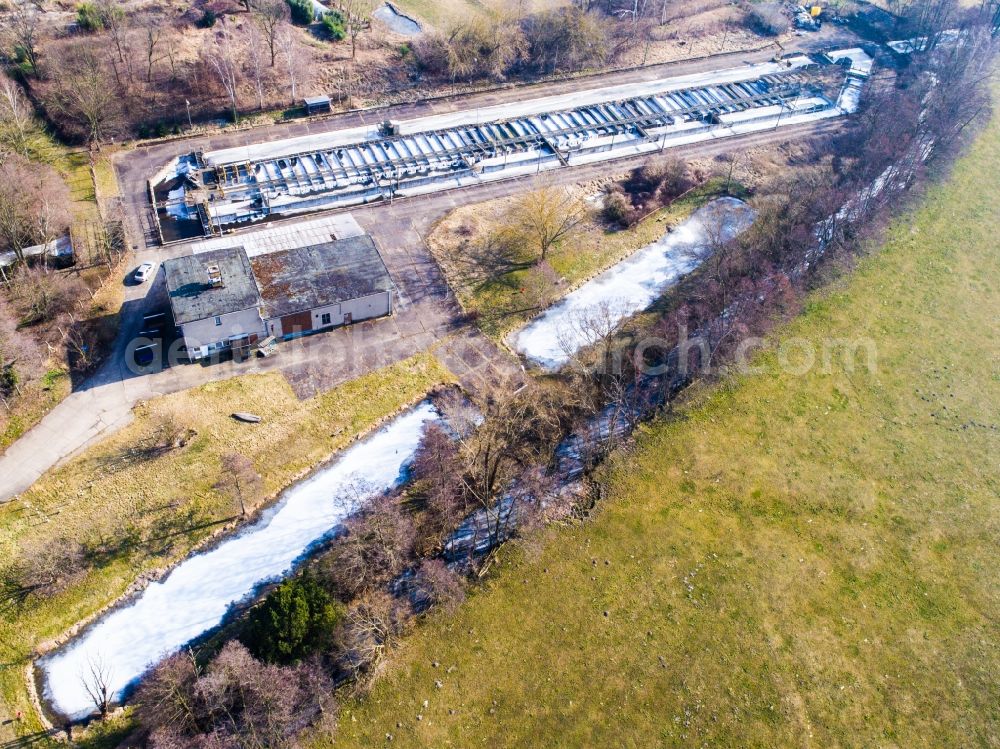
297 324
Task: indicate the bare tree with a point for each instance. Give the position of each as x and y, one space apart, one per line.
357 18
292 58
97 678
517 430
222 59
377 546
17 122
437 470
168 698
371 626
118 25
546 216
272 17
44 569
83 92
24 20
591 335
235 701
152 33
253 43
240 480
34 204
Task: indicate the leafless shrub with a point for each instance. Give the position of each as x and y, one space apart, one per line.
372 625
434 585
564 39
617 207
377 546
240 481
236 701
768 19
45 569
477 48
41 296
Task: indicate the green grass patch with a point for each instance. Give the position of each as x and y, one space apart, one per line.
146 509
799 560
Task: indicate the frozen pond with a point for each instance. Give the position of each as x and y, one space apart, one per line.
396 21
552 338
197 594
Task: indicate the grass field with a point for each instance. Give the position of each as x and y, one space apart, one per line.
509 300
796 560
138 507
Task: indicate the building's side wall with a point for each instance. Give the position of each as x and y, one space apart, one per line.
202 333
335 313
364 308
367 307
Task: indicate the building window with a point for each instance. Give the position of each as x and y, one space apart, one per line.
218 321
325 319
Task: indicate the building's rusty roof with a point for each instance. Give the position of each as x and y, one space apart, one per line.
306 278
192 297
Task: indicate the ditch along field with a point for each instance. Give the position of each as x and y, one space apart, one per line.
791 561
138 502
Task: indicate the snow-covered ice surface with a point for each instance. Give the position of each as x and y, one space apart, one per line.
629 287
197 594
396 21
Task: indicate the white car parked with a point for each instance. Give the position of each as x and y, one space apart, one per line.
144 272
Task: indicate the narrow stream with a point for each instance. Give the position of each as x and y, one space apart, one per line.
195 596
551 339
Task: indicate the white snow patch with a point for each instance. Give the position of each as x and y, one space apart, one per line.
196 595
861 62
551 339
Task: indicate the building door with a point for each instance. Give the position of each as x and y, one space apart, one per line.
297 324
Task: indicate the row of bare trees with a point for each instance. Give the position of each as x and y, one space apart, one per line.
129 70
499 45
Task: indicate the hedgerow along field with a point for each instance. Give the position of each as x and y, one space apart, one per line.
791 561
